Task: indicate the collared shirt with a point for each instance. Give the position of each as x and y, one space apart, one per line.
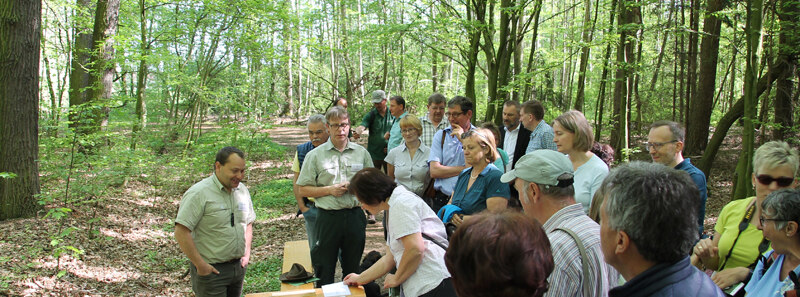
449 154
378 126
487 185
567 277
408 215
542 138
206 209
326 165
395 134
699 179
408 172
510 142
428 129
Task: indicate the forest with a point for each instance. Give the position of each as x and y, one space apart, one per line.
110 109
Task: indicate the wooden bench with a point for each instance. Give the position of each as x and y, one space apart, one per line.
298 252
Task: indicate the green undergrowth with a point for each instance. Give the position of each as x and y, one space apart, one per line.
262 276
271 197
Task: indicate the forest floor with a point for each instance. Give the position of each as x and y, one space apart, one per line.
126 245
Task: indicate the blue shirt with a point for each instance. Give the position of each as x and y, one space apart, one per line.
699 179
395 134
768 284
449 154
486 185
541 138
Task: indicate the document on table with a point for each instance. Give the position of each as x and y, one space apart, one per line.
336 289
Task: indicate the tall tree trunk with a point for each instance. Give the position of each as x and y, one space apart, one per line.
475 34
703 101
79 67
734 113
691 60
141 81
601 96
789 39
20 33
742 184
628 12
502 60
537 9
586 40
101 80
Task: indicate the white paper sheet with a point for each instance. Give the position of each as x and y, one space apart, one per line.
336 289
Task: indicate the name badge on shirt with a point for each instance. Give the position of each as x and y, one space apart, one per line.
242 206
356 167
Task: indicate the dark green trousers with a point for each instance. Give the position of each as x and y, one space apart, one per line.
228 283
338 231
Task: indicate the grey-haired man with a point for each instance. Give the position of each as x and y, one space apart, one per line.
544 180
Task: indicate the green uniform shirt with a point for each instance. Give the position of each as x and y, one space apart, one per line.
378 126
325 166
206 210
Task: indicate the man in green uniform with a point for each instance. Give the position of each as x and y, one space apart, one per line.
378 121
214 227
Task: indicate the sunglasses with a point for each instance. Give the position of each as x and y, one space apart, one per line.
767 180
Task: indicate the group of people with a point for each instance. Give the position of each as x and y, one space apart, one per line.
549 219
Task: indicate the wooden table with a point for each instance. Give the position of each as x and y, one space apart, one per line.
298 252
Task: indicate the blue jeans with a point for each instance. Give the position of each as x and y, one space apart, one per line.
311 219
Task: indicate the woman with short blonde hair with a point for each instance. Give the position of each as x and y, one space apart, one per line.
574 137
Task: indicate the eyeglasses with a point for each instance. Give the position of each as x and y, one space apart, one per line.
657 145
453 114
767 180
409 130
762 220
340 125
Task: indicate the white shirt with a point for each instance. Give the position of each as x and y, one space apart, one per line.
408 214
510 143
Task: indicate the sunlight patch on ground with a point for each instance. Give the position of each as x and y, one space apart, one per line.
78 268
135 234
282 218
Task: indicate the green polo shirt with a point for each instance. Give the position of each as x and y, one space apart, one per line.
206 210
325 166
378 126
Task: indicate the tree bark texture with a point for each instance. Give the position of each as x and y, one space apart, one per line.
703 102
81 56
20 33
742 184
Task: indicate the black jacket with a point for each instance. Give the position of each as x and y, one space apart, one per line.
523 138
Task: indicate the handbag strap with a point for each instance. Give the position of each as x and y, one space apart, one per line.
742 226
426 236
587 290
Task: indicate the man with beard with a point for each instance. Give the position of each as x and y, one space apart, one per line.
515 138
214 227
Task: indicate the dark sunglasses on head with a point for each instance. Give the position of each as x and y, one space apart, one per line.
767 180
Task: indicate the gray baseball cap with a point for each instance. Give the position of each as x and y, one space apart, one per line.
540 166
378 96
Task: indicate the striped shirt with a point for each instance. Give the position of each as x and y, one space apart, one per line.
566 279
